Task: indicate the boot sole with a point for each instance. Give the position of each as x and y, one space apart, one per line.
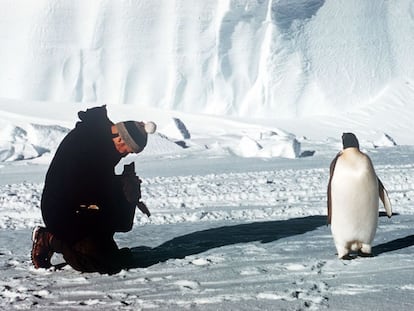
34 239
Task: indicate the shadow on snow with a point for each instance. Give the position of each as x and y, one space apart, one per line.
394 245
201 241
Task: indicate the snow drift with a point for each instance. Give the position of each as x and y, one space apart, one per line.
241 57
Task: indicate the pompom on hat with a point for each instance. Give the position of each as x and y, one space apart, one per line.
135 134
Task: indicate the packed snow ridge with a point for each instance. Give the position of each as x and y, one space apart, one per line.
17 143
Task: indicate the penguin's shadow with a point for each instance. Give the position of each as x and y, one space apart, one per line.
384 214
393 245
201 241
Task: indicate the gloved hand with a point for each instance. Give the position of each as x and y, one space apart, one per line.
131 186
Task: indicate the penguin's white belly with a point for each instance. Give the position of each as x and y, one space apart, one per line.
354 194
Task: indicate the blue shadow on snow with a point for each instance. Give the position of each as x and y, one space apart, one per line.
201 241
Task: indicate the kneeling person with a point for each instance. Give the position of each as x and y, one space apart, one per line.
83 202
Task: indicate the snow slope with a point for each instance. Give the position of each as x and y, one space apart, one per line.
226 57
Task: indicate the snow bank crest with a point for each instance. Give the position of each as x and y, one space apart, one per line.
159 144
269 145
17 143
384 141
176 129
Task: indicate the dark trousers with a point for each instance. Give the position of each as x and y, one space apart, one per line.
94 253
86 239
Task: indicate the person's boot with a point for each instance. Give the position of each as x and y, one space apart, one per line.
42 249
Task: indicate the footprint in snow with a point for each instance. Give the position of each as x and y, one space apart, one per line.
312 294
187 285
318 266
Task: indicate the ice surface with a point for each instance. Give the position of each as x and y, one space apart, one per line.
251 99
239 58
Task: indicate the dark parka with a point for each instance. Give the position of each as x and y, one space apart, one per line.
82 173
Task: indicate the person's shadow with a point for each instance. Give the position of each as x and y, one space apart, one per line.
201 241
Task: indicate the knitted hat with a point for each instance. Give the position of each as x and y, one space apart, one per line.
134 133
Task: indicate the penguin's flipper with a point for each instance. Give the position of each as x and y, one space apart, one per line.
383 194
331 172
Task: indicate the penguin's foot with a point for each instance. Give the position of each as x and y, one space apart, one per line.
363 254
365 250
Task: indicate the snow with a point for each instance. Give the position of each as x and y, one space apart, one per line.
250 99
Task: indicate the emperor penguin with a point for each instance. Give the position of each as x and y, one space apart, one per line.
354 190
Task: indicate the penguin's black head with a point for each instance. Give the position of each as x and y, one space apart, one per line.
349 140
